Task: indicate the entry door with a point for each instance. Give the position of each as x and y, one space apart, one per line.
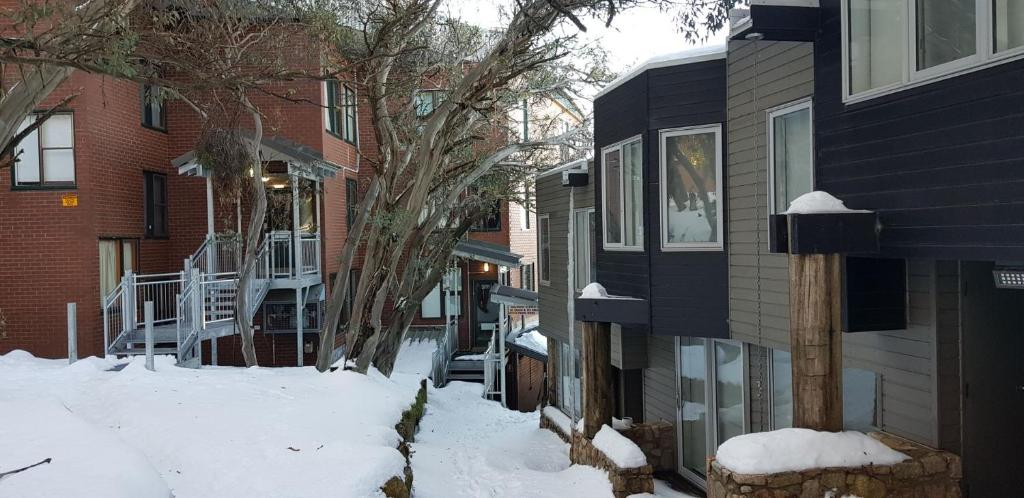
485 313
993 346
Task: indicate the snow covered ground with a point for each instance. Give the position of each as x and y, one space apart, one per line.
211 432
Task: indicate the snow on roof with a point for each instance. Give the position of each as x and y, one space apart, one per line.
819 202
625 453
533 340
791 450
688 56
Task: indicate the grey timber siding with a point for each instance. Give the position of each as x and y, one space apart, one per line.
767 75
553 201
660 380
758 280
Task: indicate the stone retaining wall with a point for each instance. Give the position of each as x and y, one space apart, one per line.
658 442
625 482
928 473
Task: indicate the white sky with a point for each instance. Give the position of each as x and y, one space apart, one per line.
635 35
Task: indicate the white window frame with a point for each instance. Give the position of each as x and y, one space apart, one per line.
541 257
984 57
42 183
783 110
586 240
663 136
620 246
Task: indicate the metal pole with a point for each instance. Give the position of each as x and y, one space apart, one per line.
298 327
296 236
213 351
209 207
73 333
148 313
502 334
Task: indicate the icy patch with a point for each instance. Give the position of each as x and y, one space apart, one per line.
789 450
625 453
819 202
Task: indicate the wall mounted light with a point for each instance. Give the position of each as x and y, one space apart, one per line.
1009 277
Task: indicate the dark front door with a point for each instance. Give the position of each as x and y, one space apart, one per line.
485 314
993 346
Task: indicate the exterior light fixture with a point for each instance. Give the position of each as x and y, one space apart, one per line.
487 267
1009 277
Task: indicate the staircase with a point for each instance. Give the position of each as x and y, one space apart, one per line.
190 306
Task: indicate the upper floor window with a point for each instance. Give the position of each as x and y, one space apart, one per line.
491 222
584 246
691 186
891 44
526 277
340 110
790 155
544 248
622 194
153 108
155 190
425 101
348 132
46 157
524 211
351 200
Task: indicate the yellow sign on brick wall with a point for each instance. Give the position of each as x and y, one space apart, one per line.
69 200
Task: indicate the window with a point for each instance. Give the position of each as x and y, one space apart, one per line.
47 155
526 278
893 44
155 193
622 195
782 389
583 246
453 287
431 305
544 248
790 155
351 201
1007 25
153 108
569 392
525 132
332 108
860 395
348 133
729 374
693 400
425 101
490 222
691 184
524 213
118 257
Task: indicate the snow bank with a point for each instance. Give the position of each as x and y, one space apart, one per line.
213 432
625 453
416 357
617 424
787 450
555 415
819 202
86 460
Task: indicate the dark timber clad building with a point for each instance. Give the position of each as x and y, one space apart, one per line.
914 110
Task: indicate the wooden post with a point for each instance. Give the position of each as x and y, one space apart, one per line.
148 314
597 377
816 340
73 333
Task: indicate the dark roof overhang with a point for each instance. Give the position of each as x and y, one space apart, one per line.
487 252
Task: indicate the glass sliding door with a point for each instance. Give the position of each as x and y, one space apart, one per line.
693 405
729 373
782 389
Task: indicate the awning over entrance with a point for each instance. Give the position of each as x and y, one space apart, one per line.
305 161
511 296
487 252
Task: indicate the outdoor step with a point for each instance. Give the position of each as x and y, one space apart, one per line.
142 350
465 377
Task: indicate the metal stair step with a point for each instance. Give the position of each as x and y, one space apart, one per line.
135 351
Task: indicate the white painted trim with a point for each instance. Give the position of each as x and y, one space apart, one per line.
619 246
572 256
786 3
578 163
984 58
799 105
541 258
663 135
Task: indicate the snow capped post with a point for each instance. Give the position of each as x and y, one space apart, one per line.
816 231
598 310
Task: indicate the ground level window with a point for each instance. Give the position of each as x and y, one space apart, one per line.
118 257
729 373
860 395
693 409
569 392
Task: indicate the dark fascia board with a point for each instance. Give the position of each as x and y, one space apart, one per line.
826 233
779 23
621 310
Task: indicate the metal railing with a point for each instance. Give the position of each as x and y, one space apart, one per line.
161 289
310 252
442 356
113 318
492 363
189 312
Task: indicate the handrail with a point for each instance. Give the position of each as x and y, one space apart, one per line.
442 357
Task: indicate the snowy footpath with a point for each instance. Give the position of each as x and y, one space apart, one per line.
213 432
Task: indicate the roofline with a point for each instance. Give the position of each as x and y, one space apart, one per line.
563 167
647 66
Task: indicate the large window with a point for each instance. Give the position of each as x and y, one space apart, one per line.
154 114
622 195
569 392
332 108
691 186
431 305
544 248
491 222
348 133
860 395
526 278
351 201
155 194
693 400
790 155
46 157
892 44
117 258
584 226
425 101
729 374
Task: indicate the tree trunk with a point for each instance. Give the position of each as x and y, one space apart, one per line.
252 241
816 341
597 377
